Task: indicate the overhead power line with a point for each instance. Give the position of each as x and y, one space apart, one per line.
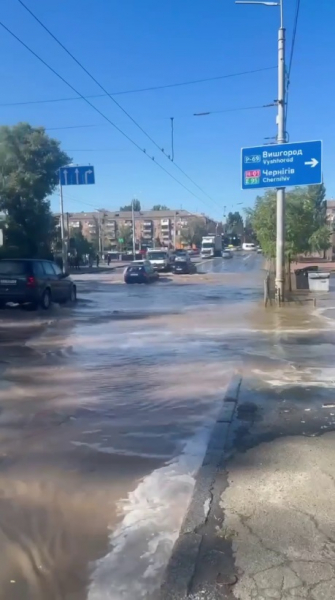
226 110
149 137
135 91
71 127
198 114
143 150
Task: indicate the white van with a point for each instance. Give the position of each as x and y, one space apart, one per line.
160 259
248 247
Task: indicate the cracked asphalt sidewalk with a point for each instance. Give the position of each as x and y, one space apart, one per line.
280 515
278 504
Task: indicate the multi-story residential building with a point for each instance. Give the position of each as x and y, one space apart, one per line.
152 228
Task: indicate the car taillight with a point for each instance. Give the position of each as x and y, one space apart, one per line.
31 281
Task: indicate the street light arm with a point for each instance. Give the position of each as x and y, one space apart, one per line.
256 2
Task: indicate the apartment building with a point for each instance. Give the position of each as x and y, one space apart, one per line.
160 227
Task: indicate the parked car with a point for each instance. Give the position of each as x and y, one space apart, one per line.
35 282
140 271
226 253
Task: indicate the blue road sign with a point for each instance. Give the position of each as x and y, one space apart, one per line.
76 175
282 165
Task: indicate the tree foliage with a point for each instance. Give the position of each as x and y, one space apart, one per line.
79 243
160 207
320 240
306 225
29 163
234 223
249 234
193 233
126 234
134 205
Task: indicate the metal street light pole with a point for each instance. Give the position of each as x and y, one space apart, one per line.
281 139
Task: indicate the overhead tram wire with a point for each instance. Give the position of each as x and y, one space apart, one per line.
198 114
136 91
150 138
99 111
294 36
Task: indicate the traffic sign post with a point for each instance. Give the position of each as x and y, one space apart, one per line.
283 165
72 175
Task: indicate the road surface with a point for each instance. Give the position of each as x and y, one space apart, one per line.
106 409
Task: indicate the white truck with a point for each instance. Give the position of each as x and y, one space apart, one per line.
211 245
160 259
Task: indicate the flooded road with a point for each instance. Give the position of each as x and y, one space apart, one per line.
106 410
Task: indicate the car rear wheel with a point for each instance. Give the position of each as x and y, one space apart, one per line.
46 300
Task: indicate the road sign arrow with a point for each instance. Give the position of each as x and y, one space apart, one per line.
65 176
86 175
77 175
312 163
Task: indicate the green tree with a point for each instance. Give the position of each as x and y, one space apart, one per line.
306 225
193 233
29 164
126 234
160 207
128 207
316 195
320 240
234 223
80 243
248 232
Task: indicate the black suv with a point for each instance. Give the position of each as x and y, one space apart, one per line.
34 281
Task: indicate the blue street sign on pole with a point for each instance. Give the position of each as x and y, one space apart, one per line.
282 165
76 175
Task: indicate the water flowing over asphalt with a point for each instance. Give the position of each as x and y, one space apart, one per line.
106 412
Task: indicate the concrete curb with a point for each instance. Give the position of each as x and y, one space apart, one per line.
181 567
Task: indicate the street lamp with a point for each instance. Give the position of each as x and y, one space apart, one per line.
281 139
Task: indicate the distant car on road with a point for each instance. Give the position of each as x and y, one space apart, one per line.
183 265
140 271
181 253
248 246
226 253
35 282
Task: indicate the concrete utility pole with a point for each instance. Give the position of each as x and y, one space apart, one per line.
133 227
62 229
281 139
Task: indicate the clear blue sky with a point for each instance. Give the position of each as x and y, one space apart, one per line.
134 44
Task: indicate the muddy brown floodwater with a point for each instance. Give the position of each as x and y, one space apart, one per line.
106 410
